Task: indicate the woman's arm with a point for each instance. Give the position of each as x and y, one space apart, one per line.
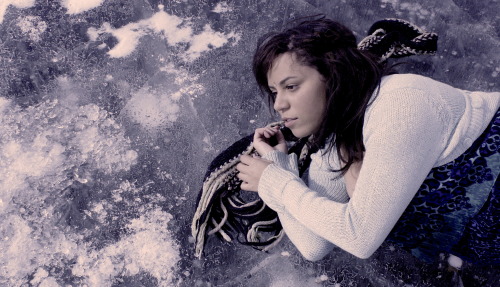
402 144
312 246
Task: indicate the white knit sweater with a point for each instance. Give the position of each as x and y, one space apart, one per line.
414 124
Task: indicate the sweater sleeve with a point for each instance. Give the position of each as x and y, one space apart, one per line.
403 137
309 244
284 162
312 246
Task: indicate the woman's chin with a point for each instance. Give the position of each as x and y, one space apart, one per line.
298 133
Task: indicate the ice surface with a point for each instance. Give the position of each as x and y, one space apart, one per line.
111 110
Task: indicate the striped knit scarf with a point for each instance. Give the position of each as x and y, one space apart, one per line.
227 211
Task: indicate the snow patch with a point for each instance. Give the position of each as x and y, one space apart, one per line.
153 110
18 247
21 4
4 104
148 247
181 76
48 150
207 40
222 7
79 6
175 30
32 26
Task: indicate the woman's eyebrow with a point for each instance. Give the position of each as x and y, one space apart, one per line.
284 80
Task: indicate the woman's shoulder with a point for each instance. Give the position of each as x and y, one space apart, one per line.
414 87
410 81
408 99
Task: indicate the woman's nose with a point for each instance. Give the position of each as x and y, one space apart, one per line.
280 103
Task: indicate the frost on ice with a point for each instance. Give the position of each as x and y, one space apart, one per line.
78 6
152 109
32 26
175 30
4 4
53 155
147 248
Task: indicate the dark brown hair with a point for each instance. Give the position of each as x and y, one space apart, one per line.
351 76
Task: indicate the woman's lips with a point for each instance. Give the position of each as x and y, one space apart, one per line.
289 122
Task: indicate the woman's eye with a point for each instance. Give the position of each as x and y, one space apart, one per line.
291 87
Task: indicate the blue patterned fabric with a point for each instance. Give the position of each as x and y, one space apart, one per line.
457 208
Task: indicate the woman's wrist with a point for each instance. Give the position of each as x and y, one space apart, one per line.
283 160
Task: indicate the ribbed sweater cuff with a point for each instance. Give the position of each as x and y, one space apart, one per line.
285 161
273 181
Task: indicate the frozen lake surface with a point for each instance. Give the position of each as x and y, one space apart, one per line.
111 110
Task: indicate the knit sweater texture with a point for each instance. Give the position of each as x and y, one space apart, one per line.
413 124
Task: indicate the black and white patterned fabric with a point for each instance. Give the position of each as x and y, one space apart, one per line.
223 209
396 38
457 208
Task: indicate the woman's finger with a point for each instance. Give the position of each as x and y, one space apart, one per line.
272 131
266 132
269 132
260 131
279 136
246 159
248 187
265 140
243 177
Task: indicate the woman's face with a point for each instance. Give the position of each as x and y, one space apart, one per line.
300 94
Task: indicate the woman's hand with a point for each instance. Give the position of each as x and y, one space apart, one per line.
267 139
250 170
